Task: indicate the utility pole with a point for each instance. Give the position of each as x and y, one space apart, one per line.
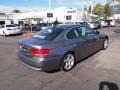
92 6
113 10
49 10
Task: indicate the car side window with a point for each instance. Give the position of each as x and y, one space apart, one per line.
79 31
87 31
72 34
2 26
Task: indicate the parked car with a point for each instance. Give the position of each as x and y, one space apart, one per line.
26 27
112 23
93 25
60 47
117 21
41 26
85 23
98 24
10 29
104 23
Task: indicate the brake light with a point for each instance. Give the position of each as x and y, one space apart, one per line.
19 45
36 51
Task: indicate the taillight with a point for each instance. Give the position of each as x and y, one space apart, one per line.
37 52
19 45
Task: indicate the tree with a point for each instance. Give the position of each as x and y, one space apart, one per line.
56 22
16 11
106 10
98 9
118 1
85 8
89 10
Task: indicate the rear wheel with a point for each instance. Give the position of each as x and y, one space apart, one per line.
105 44
4 34
68 62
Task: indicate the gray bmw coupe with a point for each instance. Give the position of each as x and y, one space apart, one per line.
60 47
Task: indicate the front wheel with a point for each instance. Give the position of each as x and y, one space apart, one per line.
68 62
105 44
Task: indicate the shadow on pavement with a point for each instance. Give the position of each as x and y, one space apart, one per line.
117 31
14 35
104 85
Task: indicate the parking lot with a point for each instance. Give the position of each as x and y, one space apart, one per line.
100 69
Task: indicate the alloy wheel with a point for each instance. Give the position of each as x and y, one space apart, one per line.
68 62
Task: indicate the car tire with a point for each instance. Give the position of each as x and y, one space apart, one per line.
4 34
105 44
68 62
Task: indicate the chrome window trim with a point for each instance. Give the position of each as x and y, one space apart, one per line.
69 31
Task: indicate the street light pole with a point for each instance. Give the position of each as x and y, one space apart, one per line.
49 6
113 10
49 10
92 6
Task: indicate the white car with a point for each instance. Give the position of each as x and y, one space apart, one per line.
93 25
9 29
104 24
112 23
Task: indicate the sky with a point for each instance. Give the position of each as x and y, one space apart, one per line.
39 4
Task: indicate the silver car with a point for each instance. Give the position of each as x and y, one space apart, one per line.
60 47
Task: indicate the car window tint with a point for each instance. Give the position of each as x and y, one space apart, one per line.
2 26
11 25
79 31
71 34
87 31
48 33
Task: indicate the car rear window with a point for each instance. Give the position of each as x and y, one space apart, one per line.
11 25
48 33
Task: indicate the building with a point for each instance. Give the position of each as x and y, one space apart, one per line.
4 19
115 11
63 15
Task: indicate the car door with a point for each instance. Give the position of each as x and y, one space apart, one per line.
75 42
91 39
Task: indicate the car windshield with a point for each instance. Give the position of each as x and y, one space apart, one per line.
48 33
12 25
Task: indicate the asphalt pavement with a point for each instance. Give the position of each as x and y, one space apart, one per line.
100 71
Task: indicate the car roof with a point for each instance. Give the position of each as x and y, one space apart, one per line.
67 26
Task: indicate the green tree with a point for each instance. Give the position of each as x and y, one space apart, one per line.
89 10
106 10
98 9
16 11
117 1
85 8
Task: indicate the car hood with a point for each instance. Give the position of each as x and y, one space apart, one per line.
33 41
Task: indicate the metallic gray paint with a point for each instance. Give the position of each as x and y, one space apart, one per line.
82 47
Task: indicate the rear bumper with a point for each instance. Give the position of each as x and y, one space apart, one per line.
44 64
12 32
